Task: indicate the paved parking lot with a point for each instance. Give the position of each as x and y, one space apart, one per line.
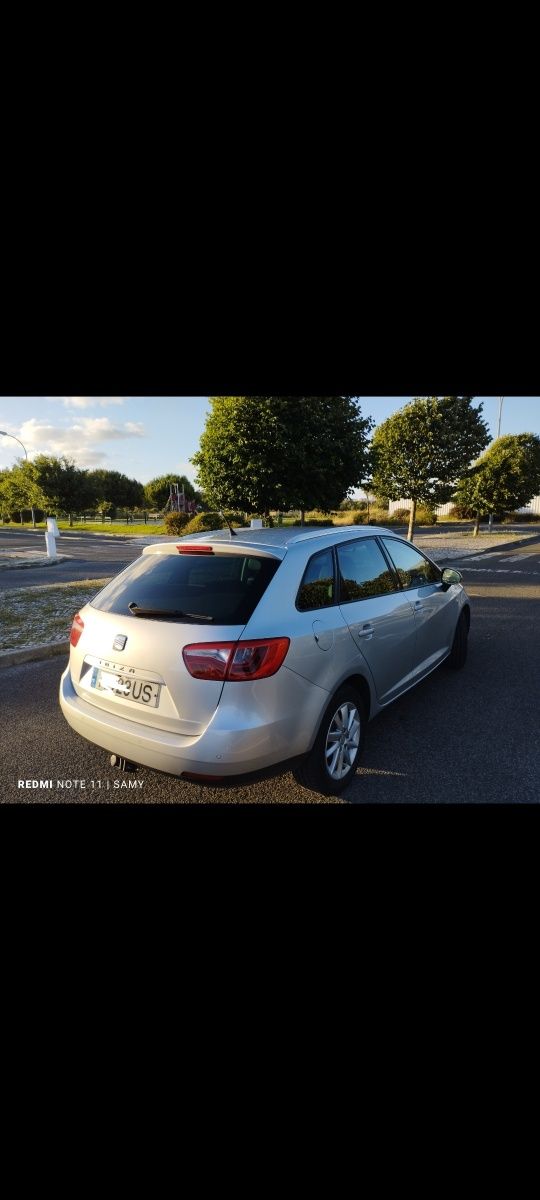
459 738
468 737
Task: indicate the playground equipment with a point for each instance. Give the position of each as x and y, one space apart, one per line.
178 502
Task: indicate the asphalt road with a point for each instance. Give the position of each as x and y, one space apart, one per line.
459 738
91 556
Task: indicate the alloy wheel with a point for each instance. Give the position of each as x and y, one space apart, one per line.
342 740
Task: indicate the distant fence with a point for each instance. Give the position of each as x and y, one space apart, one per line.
443 510
532 507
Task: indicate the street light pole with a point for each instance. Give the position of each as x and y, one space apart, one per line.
16 439
501 398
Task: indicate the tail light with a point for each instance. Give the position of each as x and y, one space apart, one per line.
236 661
76 629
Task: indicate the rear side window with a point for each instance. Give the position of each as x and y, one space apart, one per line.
363 571
218 589
413 569
317 589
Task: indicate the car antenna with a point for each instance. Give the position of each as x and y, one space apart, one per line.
232 532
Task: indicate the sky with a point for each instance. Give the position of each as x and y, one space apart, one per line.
147 436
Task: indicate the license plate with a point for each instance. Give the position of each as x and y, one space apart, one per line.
138 690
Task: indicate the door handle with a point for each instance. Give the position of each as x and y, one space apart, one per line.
418 606
365 630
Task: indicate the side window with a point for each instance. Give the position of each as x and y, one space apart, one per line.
363 571
413 569
317 587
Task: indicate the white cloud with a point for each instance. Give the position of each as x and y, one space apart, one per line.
83 441
102 429
91 401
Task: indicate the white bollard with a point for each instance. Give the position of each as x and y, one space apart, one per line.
51 534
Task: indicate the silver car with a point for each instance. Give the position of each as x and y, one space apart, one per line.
224 654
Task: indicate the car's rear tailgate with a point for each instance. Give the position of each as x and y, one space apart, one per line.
152 654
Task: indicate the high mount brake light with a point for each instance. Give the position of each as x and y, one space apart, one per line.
76 629
236 661
195 549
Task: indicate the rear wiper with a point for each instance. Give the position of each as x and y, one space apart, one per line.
166 612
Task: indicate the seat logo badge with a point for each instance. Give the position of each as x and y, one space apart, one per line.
119 642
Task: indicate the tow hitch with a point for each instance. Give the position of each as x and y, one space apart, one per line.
123 764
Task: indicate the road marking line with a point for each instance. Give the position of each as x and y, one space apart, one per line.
496 571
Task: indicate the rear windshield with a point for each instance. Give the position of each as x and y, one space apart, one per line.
217 589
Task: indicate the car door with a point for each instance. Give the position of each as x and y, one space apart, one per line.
434 607
379 614
320 648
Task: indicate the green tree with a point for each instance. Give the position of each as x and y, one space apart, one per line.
4 506
133 495
504 478
64 486
278 452
421 451
20 490
110 490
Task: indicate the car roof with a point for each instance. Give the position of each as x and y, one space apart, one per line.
276 541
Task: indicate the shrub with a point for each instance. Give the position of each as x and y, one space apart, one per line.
315 518
359 518
378 516
343 518
401 516
462 512
176 522
425 515
206 521
517 518
353 505
322 523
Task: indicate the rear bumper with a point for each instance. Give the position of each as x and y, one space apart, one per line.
241 737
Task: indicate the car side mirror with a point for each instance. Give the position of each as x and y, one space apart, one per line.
449 576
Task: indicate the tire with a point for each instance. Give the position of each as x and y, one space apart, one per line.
458 654
332 762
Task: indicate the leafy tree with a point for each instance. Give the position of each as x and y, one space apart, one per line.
420 451
279 452
328 454
504 478
9 497
110 490
19 489
64 486
133 497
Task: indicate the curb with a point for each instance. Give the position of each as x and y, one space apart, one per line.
21 564
12 658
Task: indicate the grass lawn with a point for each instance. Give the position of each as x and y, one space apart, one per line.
96 527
